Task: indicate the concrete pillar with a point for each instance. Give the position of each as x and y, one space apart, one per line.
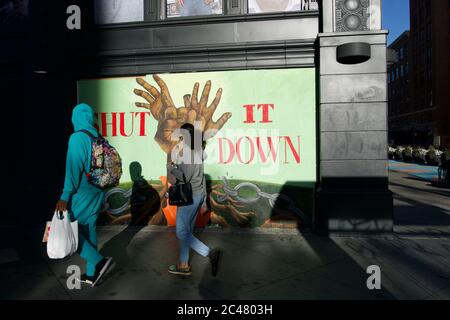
353 195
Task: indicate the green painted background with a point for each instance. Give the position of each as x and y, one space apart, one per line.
292 91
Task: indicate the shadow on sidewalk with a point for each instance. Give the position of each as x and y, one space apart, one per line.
439 193
305 267
117 246
419 214
286 265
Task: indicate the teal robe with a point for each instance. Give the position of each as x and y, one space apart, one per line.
84 200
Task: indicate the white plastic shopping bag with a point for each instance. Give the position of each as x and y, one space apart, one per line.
62 237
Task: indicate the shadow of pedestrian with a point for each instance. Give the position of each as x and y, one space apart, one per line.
144 204
145 201
293 207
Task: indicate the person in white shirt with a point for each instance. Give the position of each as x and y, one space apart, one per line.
262 6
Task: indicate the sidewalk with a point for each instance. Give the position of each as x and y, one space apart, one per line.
420 208
257 264
424 172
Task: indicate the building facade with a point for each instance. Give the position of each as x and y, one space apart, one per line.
423 119
330 54
399 91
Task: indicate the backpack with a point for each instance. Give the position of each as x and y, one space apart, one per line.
106 164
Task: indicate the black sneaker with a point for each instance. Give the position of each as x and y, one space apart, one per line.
102 268
214 259
86 279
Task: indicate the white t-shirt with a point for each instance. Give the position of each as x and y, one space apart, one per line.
293 5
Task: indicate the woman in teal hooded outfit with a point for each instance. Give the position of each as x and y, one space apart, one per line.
82 199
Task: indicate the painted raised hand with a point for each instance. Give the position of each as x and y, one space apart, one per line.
204 113
170 118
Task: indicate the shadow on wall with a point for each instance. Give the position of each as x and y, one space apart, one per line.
354 205
257 204
145 201
293 207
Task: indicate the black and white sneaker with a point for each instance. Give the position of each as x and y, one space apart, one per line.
102 268
86 279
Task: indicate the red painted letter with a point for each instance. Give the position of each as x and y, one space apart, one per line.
287 140
252 150
122 124
113 124
250 113
272 151
142 132
221 153
265 112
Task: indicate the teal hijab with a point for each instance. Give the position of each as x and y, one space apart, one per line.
83 118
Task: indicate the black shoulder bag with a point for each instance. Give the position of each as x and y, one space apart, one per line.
180 194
